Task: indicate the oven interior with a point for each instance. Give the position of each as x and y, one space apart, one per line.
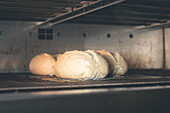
139 30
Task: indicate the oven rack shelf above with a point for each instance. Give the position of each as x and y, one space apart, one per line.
145 13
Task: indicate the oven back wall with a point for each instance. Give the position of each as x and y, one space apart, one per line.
19 43
143 49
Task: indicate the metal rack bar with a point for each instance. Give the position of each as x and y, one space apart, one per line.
81 11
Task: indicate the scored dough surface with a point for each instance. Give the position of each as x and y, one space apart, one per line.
81 65
42 64
117 64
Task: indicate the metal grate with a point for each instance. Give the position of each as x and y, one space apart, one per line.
134 78
31 10
110 12
130 12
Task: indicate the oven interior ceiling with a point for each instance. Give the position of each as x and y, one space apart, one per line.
107 12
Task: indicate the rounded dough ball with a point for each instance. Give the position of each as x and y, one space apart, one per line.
42 64
117 64
81 65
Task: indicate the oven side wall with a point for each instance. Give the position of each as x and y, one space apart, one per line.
167 47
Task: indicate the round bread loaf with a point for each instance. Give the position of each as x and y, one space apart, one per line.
42 64
117 64
81 65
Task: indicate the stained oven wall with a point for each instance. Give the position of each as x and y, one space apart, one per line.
12 45
167 47
19 43
143 49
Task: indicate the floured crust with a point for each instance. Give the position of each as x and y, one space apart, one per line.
102 65
42 64
79 65
117 64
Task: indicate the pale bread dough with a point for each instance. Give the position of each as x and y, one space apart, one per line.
102 65
117 64
81 65
42 64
